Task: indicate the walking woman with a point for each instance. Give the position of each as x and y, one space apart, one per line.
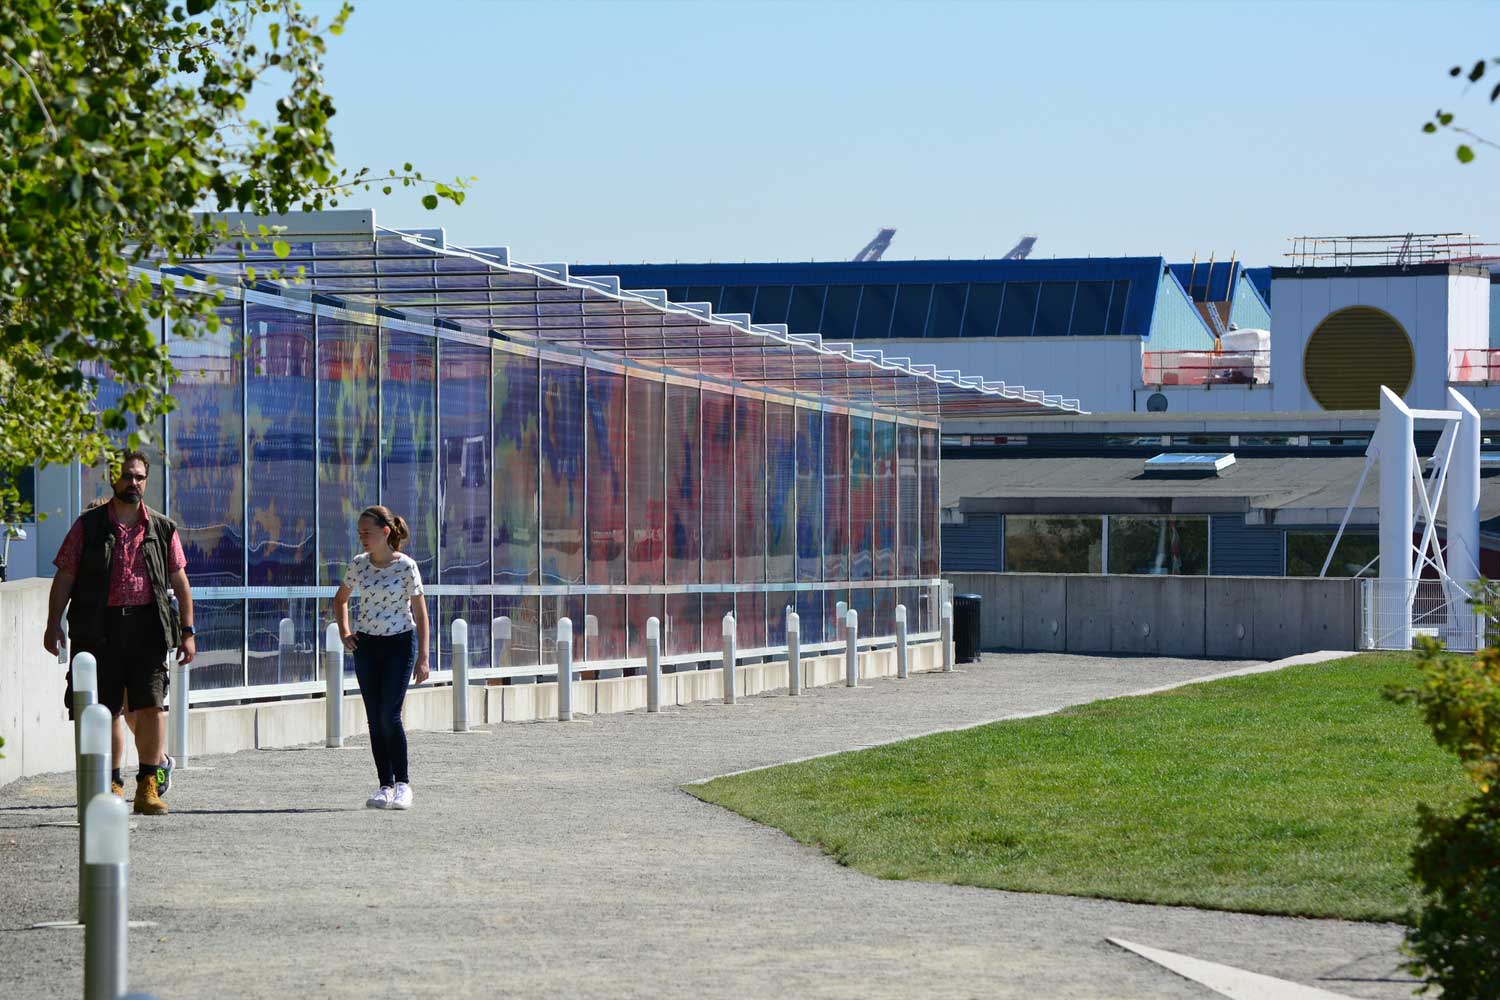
389 643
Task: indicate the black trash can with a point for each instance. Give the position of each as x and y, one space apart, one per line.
966 627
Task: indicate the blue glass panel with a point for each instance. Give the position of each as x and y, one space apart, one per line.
684 496
1117 300
929 476
1019 311
781 482
562 474
680 630
517 443
947 310
464 420
983 310
835 496
555 607
1055 308
707 293
525 626
885 613
271 661
750 490
1091 308
861 500
640 607
718 488
606 479
206 434
282 478
810 612
884 488
807 308
476 613
609 610
875 311
409 430
750 620
348 439
912 303
645 439
737 299
220 627
839 311
909 488
771 304
715 607
809 494
863 603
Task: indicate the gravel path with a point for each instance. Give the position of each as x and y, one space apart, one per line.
546 859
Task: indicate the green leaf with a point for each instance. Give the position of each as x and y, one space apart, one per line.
429 201
282 248
1476 72
1465 154
1429 127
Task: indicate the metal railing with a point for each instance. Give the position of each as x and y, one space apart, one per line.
1393 613
1206 367
1474 364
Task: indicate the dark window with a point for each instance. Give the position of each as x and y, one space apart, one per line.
875 311
678 294
770 304
737 299
1019 310
1090 310
1117 307
838 312
807 308
983 311
704 293
1055 308
911 310
947 310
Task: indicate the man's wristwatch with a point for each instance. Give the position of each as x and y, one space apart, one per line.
186 630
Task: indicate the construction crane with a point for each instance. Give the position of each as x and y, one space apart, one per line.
1021 250
875 247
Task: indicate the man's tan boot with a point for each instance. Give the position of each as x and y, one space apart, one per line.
147 801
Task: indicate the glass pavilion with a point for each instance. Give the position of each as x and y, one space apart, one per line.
558 446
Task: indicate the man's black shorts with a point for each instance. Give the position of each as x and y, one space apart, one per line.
132 658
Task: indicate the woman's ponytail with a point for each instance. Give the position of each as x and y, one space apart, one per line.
382 516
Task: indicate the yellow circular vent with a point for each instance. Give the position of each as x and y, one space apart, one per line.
1354 352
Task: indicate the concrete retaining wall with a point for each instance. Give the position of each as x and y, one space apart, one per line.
1234 617
39 737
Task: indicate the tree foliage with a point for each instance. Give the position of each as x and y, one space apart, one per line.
1456 860
1444 119
120 123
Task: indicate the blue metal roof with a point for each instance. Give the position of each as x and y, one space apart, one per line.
1143 274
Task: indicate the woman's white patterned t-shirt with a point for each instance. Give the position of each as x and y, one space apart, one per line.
385 593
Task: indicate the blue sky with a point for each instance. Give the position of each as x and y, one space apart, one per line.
784 131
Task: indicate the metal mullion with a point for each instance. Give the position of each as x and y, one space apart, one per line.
244 338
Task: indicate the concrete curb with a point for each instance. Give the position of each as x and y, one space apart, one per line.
1301 659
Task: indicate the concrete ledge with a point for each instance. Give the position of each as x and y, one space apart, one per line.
620 694
221 730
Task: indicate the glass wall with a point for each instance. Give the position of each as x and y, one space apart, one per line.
1356 555
1054 544
1159 546
536 484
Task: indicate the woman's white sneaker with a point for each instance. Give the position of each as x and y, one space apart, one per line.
382 798
401 799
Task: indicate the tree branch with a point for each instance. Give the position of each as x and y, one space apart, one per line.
51 125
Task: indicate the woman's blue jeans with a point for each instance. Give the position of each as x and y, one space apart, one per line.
384 664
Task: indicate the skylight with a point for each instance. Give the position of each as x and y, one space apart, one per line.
1197 463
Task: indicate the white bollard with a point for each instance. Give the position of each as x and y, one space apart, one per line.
793 652
851 648
93 771
653 665
286 640
840 609
590 631
902 667
499 640
85 693
62 647
333 674
106 877
460 676
947 637
564 670
180 693
729 660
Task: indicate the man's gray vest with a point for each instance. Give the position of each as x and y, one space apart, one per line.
91 586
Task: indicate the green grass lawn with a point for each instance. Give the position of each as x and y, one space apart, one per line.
1291 792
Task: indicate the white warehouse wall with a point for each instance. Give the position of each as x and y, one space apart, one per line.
1101 372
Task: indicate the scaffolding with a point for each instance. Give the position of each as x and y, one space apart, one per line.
1392 249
